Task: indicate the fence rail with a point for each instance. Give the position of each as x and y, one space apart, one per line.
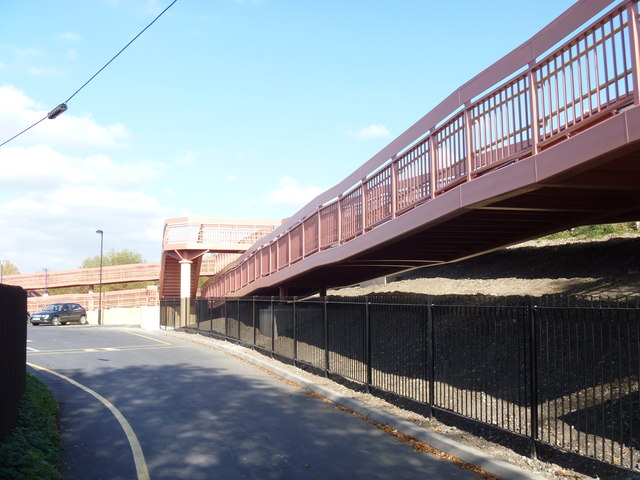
554 374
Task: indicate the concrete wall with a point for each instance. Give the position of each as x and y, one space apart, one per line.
147 318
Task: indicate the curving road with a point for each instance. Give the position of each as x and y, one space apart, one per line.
140 405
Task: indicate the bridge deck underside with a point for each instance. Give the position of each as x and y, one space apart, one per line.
594 181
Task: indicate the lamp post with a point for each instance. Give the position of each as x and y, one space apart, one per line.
101 233
46 282
1 269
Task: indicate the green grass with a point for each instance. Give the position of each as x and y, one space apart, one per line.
33 448
596 231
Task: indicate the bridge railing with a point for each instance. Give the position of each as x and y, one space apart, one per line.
538 95
85 276
114 274
133 298
206 232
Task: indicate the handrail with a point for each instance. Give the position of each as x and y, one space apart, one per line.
225 233
483 125
113 274
140 297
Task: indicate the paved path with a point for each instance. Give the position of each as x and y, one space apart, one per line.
192 412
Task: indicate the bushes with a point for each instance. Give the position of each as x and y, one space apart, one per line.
32 449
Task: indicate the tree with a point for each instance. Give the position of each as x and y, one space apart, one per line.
8 268
110 259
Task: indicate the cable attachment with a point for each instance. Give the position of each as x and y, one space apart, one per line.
57 111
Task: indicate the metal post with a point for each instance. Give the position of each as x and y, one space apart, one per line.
363 209
430 359
254 322
326 339
1 269
394 186
226 320
340 219
101 233
533 380
273 321
295 332
632 11
46 282
533 112
468 139
433 163
367 344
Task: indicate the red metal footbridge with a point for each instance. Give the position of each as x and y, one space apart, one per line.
545 139
185 242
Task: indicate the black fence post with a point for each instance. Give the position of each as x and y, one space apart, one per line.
273 324
238 320
254 323
430 358
533 375
367 343
326 339
295 333
198 314
226 319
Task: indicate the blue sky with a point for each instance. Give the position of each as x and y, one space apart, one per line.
223 108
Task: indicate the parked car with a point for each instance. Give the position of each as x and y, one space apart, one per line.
60 314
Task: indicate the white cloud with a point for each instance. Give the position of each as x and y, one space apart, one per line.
72 54
40 71
55 227
290 194
188 158
366 133
28 52
41 166
60 183
69 36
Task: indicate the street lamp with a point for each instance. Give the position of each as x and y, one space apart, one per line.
46 282
101 233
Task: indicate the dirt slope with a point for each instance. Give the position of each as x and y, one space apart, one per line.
609 267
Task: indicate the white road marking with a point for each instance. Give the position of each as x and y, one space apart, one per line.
138 457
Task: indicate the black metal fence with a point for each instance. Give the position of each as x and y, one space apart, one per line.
546 371
13 354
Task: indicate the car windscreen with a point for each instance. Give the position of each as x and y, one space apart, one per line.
54 307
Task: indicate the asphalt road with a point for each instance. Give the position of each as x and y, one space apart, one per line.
137 405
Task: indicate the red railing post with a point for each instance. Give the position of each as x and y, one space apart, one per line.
634 30
363 209
319 228
533 111
394 186
433 163
468 140
340 220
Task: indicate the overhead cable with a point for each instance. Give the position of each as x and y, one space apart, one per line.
63 106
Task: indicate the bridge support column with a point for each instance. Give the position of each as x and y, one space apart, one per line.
185 292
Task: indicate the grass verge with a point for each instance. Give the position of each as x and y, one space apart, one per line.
33 448
591 232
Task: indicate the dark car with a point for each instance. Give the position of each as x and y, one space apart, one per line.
60 314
